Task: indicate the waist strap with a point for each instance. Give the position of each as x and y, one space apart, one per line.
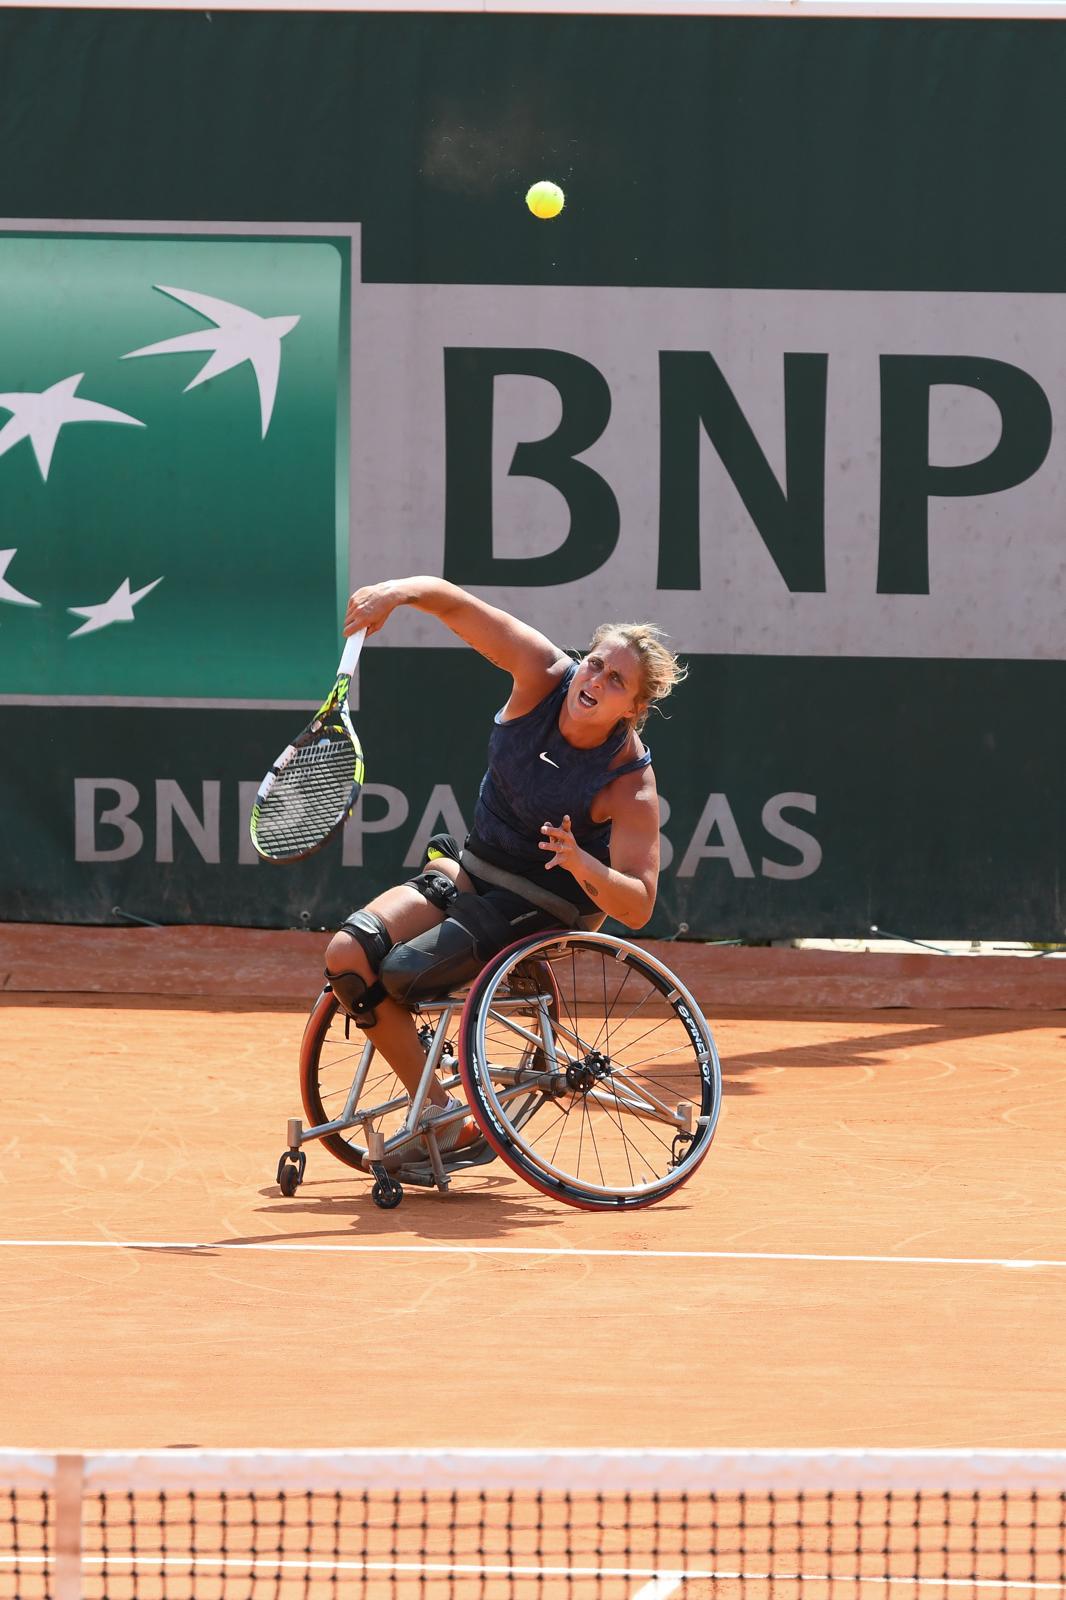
568 914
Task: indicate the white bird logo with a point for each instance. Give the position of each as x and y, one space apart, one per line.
118 608
38 415
8 592
238 335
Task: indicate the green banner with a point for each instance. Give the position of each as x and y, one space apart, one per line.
793 800
174 465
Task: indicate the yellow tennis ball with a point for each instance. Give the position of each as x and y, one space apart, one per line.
545 199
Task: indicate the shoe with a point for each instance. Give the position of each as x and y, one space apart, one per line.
459 1135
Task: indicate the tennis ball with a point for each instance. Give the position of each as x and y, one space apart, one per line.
545 199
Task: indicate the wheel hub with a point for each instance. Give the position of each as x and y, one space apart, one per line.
583 1075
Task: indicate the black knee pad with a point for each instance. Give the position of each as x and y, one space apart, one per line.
356 996
353 992
437 888
367 928
450 954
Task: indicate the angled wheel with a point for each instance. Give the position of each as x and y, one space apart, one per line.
600 1083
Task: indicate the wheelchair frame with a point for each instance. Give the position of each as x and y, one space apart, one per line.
557 1063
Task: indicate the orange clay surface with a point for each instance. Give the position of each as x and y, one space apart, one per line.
847 1267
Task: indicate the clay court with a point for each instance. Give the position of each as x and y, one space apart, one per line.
871 1255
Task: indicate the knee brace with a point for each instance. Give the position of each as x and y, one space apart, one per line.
436 887
358 997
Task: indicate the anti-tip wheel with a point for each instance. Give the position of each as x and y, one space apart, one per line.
289 1180
387 1198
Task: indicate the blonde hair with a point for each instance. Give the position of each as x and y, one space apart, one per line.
660 669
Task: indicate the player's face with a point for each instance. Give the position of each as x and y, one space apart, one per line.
606 686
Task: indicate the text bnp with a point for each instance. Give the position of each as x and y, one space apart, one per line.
696 402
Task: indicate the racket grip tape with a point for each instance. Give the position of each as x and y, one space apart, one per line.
350 656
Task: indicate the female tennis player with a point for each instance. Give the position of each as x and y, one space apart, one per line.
565 832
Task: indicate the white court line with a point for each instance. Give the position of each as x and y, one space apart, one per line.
660 1586
297 1247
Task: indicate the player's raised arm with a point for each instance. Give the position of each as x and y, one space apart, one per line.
502 639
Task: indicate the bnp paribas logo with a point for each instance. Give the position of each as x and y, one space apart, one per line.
174 403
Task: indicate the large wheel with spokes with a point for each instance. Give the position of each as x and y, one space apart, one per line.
598 1081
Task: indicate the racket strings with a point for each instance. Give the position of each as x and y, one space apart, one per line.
311 793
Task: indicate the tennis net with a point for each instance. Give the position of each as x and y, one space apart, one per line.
515 1525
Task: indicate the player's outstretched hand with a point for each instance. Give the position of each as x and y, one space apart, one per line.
566 852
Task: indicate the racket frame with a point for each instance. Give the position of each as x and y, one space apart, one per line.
335 701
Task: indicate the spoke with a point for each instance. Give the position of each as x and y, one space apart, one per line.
567 1010
655 1167
649 1116
543 1129
592 1136
563 1124
684 1063
643 1110
650 993
605 1031
651 1128
338 1061
504 1022
668 1107
571 1008
618 1106
332 1094
574 1038
617 1121
680 1046
660 1022
681 1084
608 1008
369 1090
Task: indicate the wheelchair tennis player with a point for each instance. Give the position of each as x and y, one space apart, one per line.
565 831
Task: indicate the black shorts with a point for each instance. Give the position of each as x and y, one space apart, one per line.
519 915
458 947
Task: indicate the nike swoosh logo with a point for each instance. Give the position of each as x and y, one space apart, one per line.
550 762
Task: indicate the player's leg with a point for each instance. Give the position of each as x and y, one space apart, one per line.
477 927
358 950
445 957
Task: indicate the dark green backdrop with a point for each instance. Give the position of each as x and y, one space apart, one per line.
815 153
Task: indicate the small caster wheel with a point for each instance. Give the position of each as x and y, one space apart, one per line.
387 1196
290 1173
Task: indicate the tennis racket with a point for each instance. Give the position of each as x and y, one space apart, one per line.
308 794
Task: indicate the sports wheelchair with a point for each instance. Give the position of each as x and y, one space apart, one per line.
585 1064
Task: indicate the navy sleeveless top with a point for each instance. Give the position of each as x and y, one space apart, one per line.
534 776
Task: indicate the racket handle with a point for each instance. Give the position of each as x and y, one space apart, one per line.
352 648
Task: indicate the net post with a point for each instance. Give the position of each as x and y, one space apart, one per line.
69 1493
